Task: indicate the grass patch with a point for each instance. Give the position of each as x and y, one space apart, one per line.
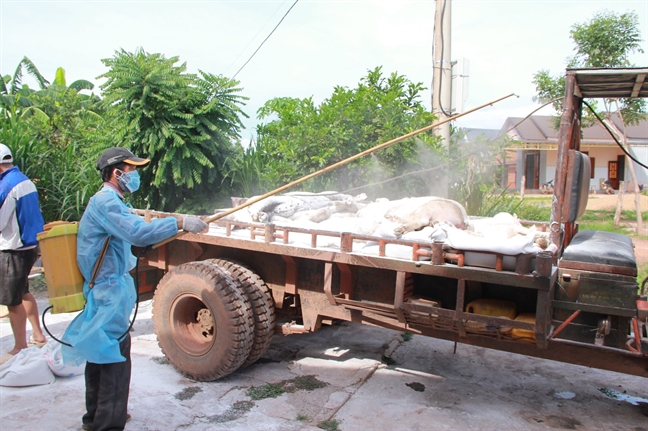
303 383
187 393
302 418
266 391
597 215
331 425
270 390
626 215
407 336
538 208
604 225
236 411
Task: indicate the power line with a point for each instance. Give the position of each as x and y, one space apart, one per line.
255 36
264 40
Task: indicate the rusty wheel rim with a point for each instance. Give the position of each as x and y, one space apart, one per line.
193 327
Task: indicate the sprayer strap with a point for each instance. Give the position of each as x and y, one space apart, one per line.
100 259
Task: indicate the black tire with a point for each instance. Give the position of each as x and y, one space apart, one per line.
261 302
202 322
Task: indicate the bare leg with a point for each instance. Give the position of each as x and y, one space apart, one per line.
31 309
18 320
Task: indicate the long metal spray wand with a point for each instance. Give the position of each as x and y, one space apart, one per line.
331 167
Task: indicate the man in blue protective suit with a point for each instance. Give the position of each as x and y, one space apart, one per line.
99 334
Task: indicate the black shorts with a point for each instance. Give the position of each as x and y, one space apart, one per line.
15 266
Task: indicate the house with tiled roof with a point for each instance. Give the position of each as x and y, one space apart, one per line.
536 152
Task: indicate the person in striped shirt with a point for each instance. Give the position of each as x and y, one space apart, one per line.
20 221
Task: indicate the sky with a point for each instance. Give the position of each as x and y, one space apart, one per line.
319 45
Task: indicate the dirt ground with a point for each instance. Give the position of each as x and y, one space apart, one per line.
609 202
424 385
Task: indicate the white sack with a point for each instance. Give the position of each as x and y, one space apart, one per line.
389 229
428 233
28 368
462 240
54 357
391 250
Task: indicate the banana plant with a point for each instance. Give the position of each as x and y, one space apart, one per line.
16 97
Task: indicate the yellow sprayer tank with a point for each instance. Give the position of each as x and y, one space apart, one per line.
58 245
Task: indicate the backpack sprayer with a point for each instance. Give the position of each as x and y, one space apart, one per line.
58 241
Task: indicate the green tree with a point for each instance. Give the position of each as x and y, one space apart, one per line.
607 40
301 138
185 123
244 170
50 137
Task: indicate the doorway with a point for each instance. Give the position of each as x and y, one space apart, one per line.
613 174
532 170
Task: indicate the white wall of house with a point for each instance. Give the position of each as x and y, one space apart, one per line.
519 168
601 158
550 173
641 154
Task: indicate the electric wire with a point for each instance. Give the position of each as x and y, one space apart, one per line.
254 37
614 136
267 37
443 165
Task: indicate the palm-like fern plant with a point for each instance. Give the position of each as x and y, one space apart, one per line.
185 123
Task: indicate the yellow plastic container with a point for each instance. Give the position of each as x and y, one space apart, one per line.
58 245
524 334
492 307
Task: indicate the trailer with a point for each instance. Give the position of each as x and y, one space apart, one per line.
218 298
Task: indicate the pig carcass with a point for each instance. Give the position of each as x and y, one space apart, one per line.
416 213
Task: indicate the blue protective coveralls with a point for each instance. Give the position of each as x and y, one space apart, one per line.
94 334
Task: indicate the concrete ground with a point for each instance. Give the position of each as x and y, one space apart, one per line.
338 379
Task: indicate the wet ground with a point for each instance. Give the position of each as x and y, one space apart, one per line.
340 379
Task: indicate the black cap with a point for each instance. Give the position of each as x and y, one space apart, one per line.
117 155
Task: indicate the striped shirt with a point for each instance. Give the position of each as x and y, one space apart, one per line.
20 215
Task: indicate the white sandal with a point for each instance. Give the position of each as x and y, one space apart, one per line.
38 344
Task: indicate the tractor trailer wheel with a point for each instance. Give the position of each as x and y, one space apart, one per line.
203 323
261 301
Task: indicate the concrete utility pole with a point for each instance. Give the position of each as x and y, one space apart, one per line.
442 77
